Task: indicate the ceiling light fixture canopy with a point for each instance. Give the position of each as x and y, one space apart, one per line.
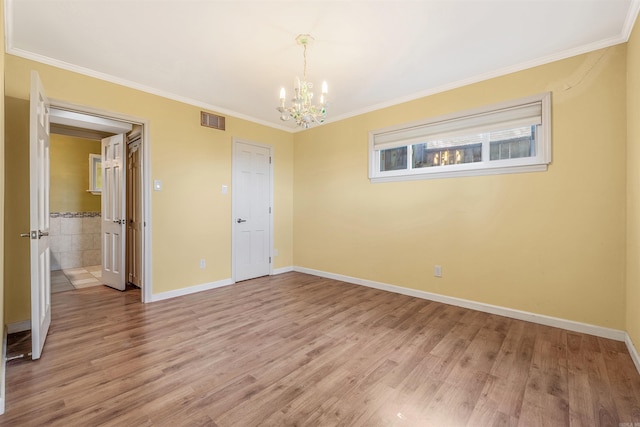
302 109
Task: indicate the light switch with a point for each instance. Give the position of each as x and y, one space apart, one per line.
225 189
157 185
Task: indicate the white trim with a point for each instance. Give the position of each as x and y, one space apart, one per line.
482 77
8 25
191 290
147 254
461 173
233 201
25 325
147 284
623 37
137 86
632 351
629 22
282 270
207 286
541 319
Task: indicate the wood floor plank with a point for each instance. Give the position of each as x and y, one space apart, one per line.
295 349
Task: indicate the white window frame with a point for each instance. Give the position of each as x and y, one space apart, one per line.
477 120
95 167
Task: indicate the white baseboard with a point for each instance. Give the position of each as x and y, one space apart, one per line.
25 325
203 287
282 270
570 325
191 290
632 351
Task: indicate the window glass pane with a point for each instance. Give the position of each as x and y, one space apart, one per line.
393 159
448 151
513 143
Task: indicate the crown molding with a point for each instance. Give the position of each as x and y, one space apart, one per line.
629 22
625 33
137 86
489 75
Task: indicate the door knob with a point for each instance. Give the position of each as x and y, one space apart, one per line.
35 234
240 220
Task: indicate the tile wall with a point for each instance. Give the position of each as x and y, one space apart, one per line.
74 239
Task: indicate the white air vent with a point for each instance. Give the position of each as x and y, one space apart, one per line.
211 120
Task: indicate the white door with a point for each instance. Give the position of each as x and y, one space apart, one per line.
113 212
39 216
252 210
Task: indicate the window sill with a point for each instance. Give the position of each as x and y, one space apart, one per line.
461 173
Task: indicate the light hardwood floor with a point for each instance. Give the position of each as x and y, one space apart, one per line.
295 349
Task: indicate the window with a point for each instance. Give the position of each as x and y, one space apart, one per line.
507 138
95 174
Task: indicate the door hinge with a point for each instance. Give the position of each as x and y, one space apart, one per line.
269 209
269 159
269 260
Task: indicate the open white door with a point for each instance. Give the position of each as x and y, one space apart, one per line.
39 216
252 210
113 212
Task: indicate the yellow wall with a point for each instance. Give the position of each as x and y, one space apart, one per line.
69 173
191 219
633 187
551 243
16 213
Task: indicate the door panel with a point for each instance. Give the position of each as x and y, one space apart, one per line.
134 215
252 221
113 214
40 255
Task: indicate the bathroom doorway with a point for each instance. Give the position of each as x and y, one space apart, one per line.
78 249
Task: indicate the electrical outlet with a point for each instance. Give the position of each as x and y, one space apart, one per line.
203 263
437 270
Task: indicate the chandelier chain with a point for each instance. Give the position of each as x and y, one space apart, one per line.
304 70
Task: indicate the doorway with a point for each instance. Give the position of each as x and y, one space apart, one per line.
82 129
75 199
39 107
99 127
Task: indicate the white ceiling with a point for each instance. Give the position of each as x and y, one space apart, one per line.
232 57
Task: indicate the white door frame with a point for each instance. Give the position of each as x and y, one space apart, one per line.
147 289
233 203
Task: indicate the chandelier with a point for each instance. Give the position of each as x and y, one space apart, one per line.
302 109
